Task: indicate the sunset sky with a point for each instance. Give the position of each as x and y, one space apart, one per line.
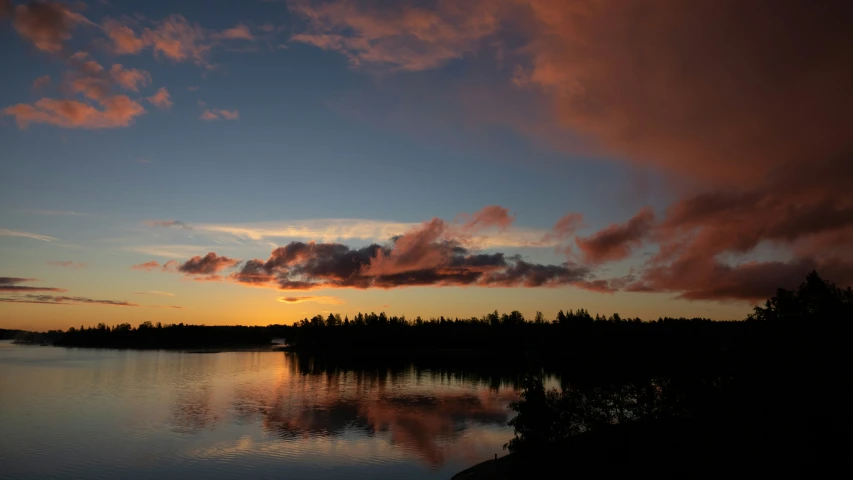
258 162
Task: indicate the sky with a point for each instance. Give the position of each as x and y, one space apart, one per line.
258 162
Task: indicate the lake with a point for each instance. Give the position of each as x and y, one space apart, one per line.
91 413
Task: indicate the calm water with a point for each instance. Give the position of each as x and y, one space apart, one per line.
86 413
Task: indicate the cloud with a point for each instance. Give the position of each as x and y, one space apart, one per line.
401 36
12 284
66 264
240 32
5 8
428 254
130 78
167 224
62 300
616 241
47 24
567 226
209 264
161 99
15 280
57 212
5 232
336 229
746 106
118 111
147 266
123 39
155 292
41 82
216 114
89 78
710 279
488 217
433 253
325 300
700 105
179 40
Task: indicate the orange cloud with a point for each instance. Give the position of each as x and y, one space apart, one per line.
147 266
131 78
118 111
161 99
123 39
88 78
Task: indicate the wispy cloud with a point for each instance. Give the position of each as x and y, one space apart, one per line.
13 284
147 266
5 232
321 299
333 229
66 264
62 300
57 212
216 114
155 292
167 223
168 251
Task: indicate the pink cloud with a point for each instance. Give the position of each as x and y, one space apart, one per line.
216 114
130 78
179 40
41 82
400 37
616 241
147 266
161 99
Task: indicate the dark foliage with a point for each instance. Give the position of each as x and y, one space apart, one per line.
788 365
148 335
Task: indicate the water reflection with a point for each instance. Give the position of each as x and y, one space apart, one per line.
108 414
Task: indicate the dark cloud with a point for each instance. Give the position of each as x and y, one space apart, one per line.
209 264
15 280
62 300
5 8
704 278
421 257
46 24
12 284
